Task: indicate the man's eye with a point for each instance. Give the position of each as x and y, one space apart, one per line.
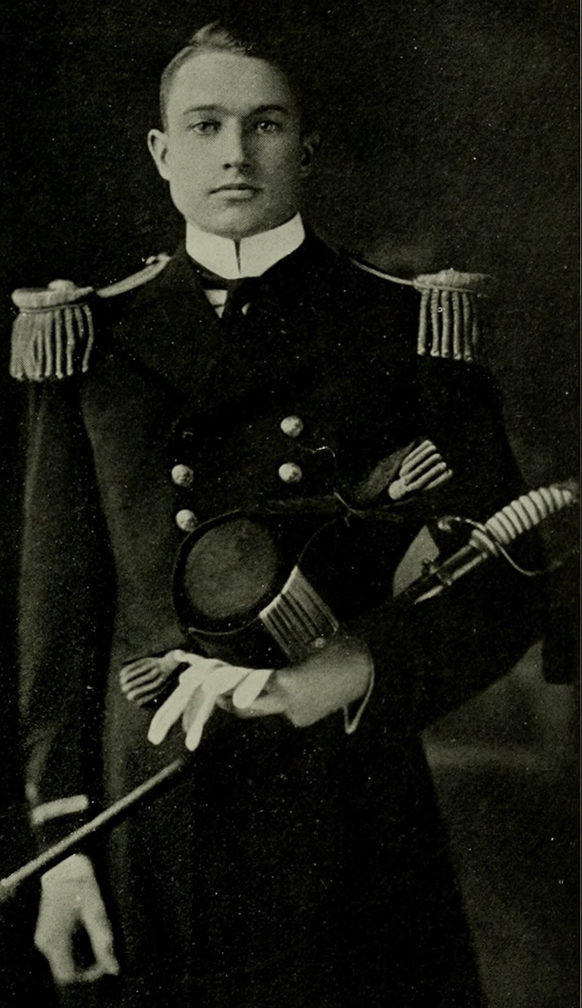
267 126
206 126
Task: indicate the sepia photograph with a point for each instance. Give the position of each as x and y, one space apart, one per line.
289 516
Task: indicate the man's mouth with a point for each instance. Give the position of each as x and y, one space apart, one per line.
236 187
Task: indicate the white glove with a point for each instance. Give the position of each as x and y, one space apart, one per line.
70 899
201 685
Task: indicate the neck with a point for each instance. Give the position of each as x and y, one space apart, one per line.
249 256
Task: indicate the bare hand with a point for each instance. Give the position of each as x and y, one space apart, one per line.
328 680
422 468
70 900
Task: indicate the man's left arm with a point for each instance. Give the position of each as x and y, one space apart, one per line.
425 659
432 656
429 658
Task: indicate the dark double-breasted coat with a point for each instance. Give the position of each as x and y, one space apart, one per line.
297 867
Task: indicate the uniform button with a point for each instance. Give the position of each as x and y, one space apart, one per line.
292 426
182 475
290 472
186 520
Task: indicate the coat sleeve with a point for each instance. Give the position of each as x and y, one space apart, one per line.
66 604
433 656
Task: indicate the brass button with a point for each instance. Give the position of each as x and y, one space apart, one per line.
292 426
290 472
182 475
186 520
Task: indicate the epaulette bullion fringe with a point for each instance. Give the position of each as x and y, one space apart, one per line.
450 324
54 333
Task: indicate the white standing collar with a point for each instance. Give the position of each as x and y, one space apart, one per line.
248 257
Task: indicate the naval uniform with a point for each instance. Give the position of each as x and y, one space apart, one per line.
305 868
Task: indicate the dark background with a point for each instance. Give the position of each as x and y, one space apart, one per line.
451 140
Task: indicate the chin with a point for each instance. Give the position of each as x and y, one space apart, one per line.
242 222
238 228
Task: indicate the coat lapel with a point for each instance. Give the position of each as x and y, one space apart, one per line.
171 327
300 319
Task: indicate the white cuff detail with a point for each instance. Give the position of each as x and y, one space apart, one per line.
350 725
59 807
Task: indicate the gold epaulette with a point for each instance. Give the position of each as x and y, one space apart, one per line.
450 324
53 333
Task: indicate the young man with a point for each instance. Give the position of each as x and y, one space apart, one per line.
300 864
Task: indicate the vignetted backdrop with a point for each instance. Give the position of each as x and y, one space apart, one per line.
450 140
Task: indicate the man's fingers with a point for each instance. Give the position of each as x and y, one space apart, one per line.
90 974
417 455
177 702
143 695
201 686
145 682
203 701
142 675
224 680
57 950
196 663
192 709
104 966
168 714
101 937
250 688
203 712
71 900
146 689
136 668
187 657
422 469
421 480
441 479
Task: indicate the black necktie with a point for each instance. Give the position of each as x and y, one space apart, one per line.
238 292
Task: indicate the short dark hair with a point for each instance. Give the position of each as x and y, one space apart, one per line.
218 36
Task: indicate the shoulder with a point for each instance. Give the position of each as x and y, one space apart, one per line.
135 281
447 306
350 275
53 335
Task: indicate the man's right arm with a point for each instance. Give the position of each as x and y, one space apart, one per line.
65 618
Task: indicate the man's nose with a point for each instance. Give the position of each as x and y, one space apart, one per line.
235 147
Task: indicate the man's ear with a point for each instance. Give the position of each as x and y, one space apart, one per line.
310 143
158 148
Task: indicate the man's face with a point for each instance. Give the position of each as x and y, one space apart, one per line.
233 151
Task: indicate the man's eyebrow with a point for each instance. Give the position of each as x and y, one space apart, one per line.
202 108
271 108
260 110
